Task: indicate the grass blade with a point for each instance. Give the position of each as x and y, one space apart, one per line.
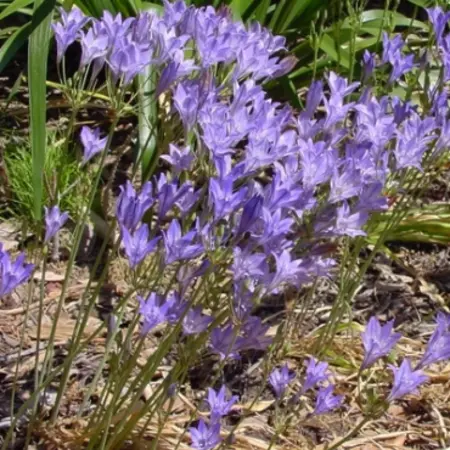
37 74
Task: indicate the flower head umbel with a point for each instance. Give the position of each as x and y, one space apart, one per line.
132 206
316 372
279 379
12 274
54 220
218 404
438 348
378 341
137 246
205 437
326 401
406 380
92 143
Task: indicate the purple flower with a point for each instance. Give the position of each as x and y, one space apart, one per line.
222 198
169 193
248 265
406 380
180 159
115 27
368 64
54 220
128 59
313 99
250 213
438 347
154 311
254 335
186 101
137 246
287 271
350 224
345 184
195 322
177 308
225 342
378 341
316 372
92 143
132 206
12 274
94 45
279 379
67 31
205 437
180 247
439 20
218 404
326 401
392 53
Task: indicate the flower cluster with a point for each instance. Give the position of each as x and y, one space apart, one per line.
206 437
12 274
378 341
316 374
249 191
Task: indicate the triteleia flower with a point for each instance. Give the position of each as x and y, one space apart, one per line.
169 193
247 264
406 380
66 31
287 271
218 404
205 437
94 45
12 274
180 158
438 348
316 372
254 335
279 379
222 198
225 342
92 143
137 246
132 206
195 321
154 311
250 213
439 19
368 64
378 341
54 221
180 247
348 223
128 59
326 401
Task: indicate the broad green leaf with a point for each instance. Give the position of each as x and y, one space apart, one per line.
330 47
14 7
12 45
37 75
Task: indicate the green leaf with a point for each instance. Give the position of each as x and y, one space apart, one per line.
14 7
330 47
13 44
37 74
